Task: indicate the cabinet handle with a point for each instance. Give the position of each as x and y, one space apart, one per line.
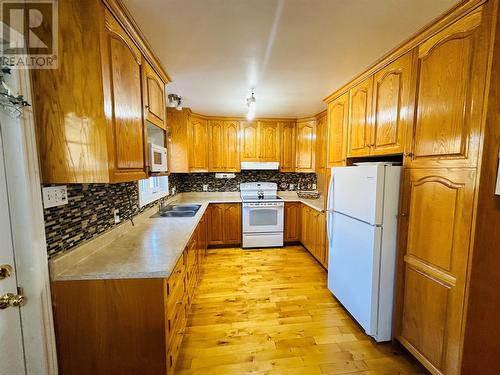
408 154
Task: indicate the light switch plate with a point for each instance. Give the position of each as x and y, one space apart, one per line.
54 196
116 215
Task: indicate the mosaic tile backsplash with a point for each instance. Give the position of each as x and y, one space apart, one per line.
286 181
89 211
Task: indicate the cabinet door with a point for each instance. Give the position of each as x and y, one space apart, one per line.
122 76
287 163
321 239
338 112
304 223
391 104
269 141
198 142
437 209
216 146
232 223
321 144
250 141
305 147
451 77
360 110
292 222
231 150
215 224
154 96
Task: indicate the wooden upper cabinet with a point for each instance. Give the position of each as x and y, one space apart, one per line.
89 113
260 141
216 146
321 143
250 149
305 146
269 141
338 112
451 69
437 208
360 111
178 147
391 107
231 146
154 96
198 141
224 153
287 162
122 77
68 101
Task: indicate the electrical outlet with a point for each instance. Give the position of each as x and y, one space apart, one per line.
292 186
225 175
173 190
205 187
314 186
54 196
116 215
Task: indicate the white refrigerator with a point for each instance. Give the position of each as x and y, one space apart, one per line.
362 220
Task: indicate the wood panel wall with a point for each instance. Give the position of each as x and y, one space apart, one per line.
481 353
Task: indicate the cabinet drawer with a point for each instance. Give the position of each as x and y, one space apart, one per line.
176 276
177 322
174 300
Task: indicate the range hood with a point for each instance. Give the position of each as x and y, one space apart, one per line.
259 165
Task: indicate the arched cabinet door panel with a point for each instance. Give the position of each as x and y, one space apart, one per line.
198 141
437 209
122 75
360 112
391 107
338 115
154 96
287 163
451 71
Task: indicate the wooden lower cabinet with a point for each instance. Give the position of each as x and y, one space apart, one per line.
313 233
126 326
437 209
292 222
224 224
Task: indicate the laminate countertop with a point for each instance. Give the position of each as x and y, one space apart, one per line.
150 248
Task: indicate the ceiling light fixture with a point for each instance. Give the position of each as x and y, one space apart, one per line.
174 101
251 103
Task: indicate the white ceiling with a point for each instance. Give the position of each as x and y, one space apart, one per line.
294 52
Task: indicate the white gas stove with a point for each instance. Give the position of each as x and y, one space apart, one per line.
263 214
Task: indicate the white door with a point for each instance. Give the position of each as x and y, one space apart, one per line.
353 268
359 191
11 342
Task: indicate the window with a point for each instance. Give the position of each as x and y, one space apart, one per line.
152 189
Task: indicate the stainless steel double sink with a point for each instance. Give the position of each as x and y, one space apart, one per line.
179 210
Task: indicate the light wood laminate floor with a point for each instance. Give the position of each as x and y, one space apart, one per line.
270 312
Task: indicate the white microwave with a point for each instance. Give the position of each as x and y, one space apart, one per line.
157 158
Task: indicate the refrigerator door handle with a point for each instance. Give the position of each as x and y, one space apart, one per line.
329 210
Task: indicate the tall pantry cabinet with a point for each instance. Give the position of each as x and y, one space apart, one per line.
439 190
435 101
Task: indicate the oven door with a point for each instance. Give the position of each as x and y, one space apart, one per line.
262 217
